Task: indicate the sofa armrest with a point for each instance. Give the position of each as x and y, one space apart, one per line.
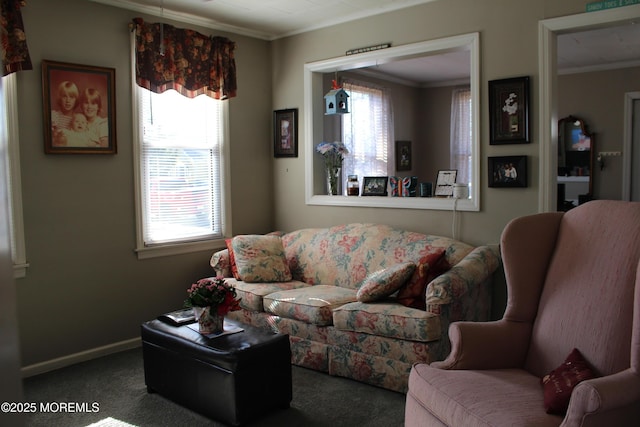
471 271
221 263
605 395
486 345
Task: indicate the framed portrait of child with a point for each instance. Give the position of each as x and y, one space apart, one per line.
79 109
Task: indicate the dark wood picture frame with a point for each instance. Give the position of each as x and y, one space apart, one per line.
507 171
403 156
445 182
78 103
285 133
509 111
375 185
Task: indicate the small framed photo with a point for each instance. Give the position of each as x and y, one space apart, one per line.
509 111
79 108
444 183
403 155
285 133
508 171
374 186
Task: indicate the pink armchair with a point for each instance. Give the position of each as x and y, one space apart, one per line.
573 281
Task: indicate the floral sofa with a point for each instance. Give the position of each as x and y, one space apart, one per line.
363 301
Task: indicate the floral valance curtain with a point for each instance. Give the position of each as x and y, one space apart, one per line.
15 54
185 60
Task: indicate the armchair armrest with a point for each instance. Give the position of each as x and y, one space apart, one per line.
471 271
221 263
604 395
486 345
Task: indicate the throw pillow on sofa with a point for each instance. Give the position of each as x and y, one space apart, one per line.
559 383
383 283
228 266
260 258
232 260
430 266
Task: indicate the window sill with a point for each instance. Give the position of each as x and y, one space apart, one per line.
179 248
432 203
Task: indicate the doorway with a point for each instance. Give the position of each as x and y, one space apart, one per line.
547 44
631 148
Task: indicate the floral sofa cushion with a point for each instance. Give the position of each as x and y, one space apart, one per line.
260 258
314 304
384 282
344 255
251 294
388 320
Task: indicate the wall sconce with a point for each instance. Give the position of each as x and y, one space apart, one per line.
336 100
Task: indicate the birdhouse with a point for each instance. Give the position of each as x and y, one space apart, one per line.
335 101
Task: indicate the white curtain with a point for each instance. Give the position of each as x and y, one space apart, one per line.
461 134
367 131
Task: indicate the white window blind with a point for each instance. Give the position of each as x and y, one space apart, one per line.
9 144
180 167
461 134
367 130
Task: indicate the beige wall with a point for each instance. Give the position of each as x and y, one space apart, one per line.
509 48
435 141
85 287
598 99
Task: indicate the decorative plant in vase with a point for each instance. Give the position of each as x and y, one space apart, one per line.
333 153
211 300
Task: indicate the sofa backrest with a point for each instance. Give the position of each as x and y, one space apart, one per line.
344 255
587 298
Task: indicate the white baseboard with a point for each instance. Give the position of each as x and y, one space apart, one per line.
94 353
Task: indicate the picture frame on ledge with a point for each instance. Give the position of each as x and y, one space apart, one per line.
507 171
78 104
445 182
509 111
375 185
285 133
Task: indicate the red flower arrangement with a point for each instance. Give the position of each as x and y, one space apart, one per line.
214 293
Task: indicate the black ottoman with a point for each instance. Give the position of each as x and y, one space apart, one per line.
231 378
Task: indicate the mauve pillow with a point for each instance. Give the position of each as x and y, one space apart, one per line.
383 283
430 266
260 258
559 383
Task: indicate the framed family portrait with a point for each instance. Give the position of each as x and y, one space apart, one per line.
285 129
374 186
403 155
507 171
509 111
79 108
445 182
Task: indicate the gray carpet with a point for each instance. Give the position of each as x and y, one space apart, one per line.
116 384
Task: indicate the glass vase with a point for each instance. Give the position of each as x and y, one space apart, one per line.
209 322
333 181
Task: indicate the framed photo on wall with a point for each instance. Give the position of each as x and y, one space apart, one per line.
509 111
285 129
403 155
79 108
507 171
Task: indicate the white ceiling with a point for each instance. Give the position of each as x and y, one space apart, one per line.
272 19
267 19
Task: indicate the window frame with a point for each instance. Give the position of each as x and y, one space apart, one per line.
313 124
12 144
187 246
